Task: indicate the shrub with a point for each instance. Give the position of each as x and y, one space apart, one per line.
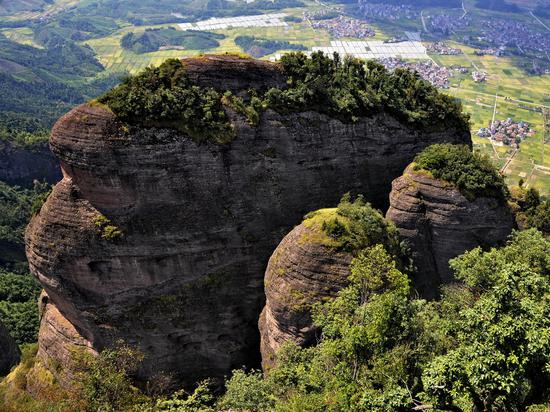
103 381
247 392
350 88
472 173
107 230
197 401
165 97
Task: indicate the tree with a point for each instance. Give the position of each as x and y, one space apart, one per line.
104 381
502 354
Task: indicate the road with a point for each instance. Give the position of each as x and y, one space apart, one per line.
464 9
491 140
470 60
503 170
423 21
495 108
539 20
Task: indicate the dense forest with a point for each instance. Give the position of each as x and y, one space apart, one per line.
37 85
343 88
18 289
154 39
257 47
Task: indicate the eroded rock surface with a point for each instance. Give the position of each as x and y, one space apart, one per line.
9 352
302 271
22 165
184 282
439 223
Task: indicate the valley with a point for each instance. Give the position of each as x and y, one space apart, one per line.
510 88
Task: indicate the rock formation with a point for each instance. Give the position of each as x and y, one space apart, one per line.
9 352
439 223
303 270
163 242
22 165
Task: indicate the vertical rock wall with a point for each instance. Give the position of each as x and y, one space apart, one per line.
439 223
184 282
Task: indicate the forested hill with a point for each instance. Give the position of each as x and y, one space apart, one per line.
37 85
14 6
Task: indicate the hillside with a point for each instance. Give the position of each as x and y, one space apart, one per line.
8 7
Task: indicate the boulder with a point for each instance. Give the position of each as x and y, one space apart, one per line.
439 223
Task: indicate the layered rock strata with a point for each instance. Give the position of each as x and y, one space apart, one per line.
9 351
439 223
163 242
302 271
22 165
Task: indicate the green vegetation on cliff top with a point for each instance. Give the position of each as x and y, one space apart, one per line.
165 97
352 226
473 173
347 89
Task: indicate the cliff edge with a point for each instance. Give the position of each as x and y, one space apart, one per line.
439 223
162 240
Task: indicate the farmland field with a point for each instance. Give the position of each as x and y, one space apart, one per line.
509 91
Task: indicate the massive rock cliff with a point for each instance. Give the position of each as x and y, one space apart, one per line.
440 223
9 352
162 241
310 265
303 270
21 165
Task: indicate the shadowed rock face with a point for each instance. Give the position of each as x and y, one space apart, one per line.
439 223
22 165
185 281
300 272
9 352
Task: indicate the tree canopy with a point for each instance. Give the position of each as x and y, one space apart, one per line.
343 88
471 172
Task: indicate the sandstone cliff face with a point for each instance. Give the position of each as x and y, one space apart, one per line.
302 271
439 223
9 352
22 165
199 221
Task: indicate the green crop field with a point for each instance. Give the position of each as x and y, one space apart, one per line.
516 95
508 92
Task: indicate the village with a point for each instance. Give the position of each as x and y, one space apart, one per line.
381 11
506 132
428 70
443 49
507 33
343 26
